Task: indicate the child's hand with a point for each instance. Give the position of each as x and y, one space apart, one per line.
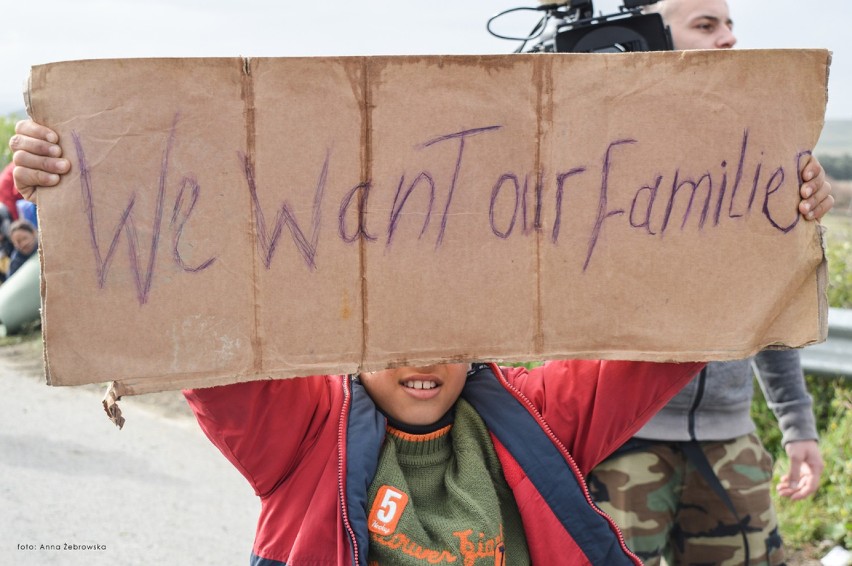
37 158
815 191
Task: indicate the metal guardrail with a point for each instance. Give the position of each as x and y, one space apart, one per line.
834 356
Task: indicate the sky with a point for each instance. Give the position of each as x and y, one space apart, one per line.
60 30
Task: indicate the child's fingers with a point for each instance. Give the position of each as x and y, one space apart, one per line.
33 171
33 145
815 191
31 129
819 203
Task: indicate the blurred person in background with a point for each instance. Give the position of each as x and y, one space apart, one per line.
25 239
6 246
9 195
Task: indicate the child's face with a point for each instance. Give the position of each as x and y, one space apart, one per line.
416 395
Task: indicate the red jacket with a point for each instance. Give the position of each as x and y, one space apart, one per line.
309 447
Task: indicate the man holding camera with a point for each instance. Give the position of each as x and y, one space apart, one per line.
693 486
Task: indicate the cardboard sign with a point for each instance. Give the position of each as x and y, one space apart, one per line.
235 219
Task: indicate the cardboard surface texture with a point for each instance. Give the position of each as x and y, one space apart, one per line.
236 219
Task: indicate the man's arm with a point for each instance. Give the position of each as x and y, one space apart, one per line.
779 373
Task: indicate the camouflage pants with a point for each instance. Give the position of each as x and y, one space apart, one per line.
667 510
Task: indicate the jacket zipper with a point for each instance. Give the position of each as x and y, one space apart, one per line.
696 402
567 455
341 459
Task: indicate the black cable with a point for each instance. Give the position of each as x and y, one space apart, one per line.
537 30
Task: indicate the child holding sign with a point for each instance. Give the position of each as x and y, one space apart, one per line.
446 463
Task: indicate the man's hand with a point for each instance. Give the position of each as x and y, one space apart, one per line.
37 158
806 465
815 191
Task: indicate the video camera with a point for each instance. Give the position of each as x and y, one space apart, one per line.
572 27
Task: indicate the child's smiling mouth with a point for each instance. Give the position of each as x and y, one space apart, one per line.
422 389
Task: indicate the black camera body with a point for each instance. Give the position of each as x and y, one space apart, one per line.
572 28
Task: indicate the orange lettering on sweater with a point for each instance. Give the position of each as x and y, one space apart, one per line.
484 548
402 543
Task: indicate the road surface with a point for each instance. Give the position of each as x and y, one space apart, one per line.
75 490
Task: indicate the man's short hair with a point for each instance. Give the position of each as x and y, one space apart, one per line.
661 7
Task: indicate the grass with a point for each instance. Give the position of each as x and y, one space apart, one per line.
7 130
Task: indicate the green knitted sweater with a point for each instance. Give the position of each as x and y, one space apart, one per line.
441 498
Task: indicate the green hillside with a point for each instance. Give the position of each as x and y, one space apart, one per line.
836 138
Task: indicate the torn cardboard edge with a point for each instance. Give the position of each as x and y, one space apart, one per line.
110 404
